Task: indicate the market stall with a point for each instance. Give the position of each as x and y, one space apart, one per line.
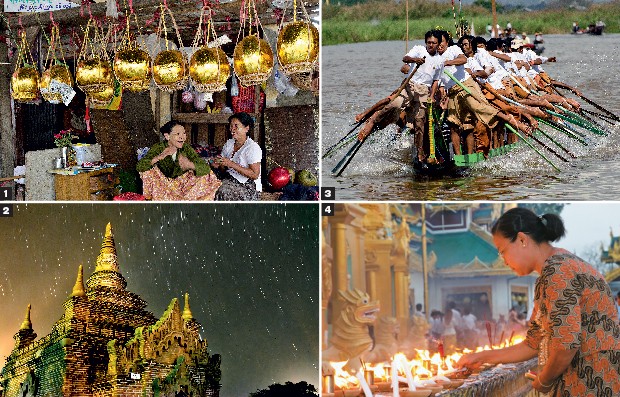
110 74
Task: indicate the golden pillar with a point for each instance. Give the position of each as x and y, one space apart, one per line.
346 223
425 266
355 236
379 270
401 295
339 247
327 257
400 269
378 247
401 290
371 280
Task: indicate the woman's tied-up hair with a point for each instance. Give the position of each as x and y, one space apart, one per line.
544 228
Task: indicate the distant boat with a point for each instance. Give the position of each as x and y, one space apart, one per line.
596 28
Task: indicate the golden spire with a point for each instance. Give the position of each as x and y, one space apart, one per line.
78 288
27 324
107 256
187 312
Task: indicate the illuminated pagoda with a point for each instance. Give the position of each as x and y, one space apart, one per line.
107 344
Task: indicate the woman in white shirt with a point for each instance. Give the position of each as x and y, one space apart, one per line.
241 158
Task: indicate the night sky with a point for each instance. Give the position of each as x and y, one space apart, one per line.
252 273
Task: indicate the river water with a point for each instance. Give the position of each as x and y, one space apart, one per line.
355 76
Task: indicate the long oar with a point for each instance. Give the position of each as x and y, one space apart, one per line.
383 102
343 142
601 116
592 121
506 124
349 137
346 139
566 128
557 143
538 94
576 119
580 123
579 116
543 144
563 129
582 112
514 131
344 162
591 102
588 123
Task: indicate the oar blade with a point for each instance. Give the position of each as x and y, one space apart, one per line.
344 162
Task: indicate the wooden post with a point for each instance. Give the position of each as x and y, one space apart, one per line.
494 11
7 131
260 132
407 21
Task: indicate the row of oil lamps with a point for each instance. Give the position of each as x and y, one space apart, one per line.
208 68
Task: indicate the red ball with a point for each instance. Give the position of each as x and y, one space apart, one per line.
279 177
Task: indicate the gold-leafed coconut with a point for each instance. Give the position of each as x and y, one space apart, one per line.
170 70
132 67
59 73
253 60
94 74
25 84
298 47
209 69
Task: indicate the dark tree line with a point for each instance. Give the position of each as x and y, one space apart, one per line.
289 389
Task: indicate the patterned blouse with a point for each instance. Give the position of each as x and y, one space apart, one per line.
574 309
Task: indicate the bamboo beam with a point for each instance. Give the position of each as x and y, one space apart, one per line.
144 9
11 178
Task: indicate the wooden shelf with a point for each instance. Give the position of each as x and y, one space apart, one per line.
204 118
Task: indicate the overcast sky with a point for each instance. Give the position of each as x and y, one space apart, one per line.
588 224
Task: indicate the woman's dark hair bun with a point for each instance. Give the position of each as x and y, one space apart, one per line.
544 228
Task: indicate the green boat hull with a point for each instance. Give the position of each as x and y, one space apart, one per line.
467 160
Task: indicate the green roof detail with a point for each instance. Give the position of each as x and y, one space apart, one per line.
461 247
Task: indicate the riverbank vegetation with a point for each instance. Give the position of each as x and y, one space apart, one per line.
380 20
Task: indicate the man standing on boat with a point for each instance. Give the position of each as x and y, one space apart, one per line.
422 86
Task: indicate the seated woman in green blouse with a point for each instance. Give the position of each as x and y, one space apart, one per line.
172 170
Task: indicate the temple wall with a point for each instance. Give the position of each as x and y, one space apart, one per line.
46 361
124 386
